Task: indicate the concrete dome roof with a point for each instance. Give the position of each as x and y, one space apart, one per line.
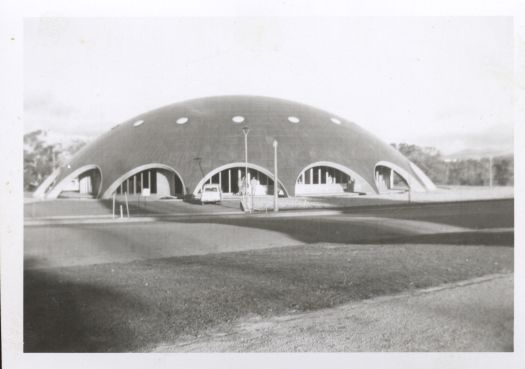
205 128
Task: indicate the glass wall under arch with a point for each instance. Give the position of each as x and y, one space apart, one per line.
86 185
325 179
154 181
233 182
387 179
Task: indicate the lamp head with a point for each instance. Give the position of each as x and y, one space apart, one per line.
245 130
275 143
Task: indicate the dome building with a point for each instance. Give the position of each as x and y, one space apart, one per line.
176 149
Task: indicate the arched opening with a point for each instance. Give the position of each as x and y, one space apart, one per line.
387 179
326 178
84 182
427 182
42 191
390 177
156 180
232 180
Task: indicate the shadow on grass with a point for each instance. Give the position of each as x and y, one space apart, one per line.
500 238
63 314
330 230
472 214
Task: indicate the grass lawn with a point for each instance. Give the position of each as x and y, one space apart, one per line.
121 307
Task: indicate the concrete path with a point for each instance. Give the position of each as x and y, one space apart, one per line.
474 315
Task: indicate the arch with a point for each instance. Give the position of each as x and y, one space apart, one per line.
427 182
237 165
368 188
40 192
59 187
115 185
412 182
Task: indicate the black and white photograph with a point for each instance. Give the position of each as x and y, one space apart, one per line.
268 184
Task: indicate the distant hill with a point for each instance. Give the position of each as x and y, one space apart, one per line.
478 154
496 140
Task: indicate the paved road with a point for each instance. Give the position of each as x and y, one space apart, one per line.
76 208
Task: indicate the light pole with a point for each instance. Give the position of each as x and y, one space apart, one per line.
275 180
245 131
490 171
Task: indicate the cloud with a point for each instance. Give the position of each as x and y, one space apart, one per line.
494 138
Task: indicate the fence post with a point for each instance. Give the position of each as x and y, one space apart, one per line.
121 212
113 206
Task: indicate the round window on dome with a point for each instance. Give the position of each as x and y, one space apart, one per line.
238 119
335 120
293 119
138 123
182 120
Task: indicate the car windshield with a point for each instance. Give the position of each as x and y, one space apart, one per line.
210 189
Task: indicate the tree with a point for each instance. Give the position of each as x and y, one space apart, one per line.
469 172
41 158
464 172
428 159
503 169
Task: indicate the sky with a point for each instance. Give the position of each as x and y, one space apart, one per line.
432 81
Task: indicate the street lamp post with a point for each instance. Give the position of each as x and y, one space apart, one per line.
245 131
276 179
490 171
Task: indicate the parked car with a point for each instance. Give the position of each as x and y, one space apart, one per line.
211 193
